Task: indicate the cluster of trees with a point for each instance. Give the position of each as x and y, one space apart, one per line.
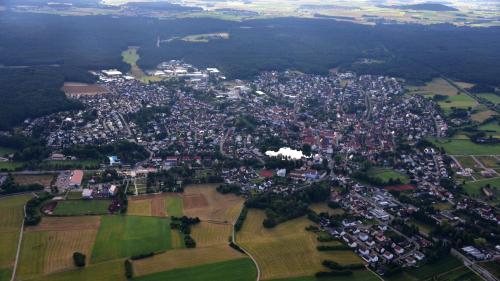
32 216
229 188
280 208
183 224
127 152
337 269
146 114
9 186
241 219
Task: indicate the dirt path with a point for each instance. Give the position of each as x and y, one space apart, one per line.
233 238
18 251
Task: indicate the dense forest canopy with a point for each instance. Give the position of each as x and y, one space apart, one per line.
79 43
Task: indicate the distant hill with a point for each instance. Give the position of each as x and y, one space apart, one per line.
424 7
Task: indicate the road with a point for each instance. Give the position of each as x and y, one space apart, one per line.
476 268
18 251
233 238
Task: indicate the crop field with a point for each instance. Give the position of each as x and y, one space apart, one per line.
125 236
184 258
11 210
66 223
140 207
205 202
286 250
473 188
209 234
494 98
43 252
44 180
241 269
358 275
466 147
173 205
81 207
105 271
386 174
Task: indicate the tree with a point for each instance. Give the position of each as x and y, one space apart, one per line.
79 259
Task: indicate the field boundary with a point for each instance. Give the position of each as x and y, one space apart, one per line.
18 252
233 238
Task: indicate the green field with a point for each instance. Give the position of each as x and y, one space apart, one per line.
234 270
386 174
457 101
491 97
125 236
5 274
99 272
11 166
130 57
173 206
362 275
461 274
491 129
428 270
473 188
82 207
466 147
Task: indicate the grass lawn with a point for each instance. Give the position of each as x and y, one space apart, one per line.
173 206
473 188
106 271
10 166
386 174
428 270
286 250
11 218
125 236
358 275
236 270
82 207
466 147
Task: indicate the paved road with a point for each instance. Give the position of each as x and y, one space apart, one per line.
233 238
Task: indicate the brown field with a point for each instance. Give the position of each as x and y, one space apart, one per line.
209 234
286 250
44 180
158 206
482 115
80 89
205 202
181 258
44 252
139 207
66 223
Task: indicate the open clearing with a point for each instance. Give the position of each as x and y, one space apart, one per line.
44 180
131 56
173 205
125 236
184 258
241 269
208 234
386 174
11 210
82 207
205 202
466 147
105 271
286 250
323 208
147 205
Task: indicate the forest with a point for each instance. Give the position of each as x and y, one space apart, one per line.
80 43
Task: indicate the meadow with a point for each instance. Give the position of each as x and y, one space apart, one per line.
81 207
494 98
125 236
173 205
428 271
386 174
466 147
241 269
106 271
286 250
473 188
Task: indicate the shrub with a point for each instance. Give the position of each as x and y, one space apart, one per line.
79 259
129 271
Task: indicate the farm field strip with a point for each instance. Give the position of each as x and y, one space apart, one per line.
208 234
81 207
184 258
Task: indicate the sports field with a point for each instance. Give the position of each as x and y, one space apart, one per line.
386 174
185 258
241 269
286 250
81 207
11 218
125 236
205 202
